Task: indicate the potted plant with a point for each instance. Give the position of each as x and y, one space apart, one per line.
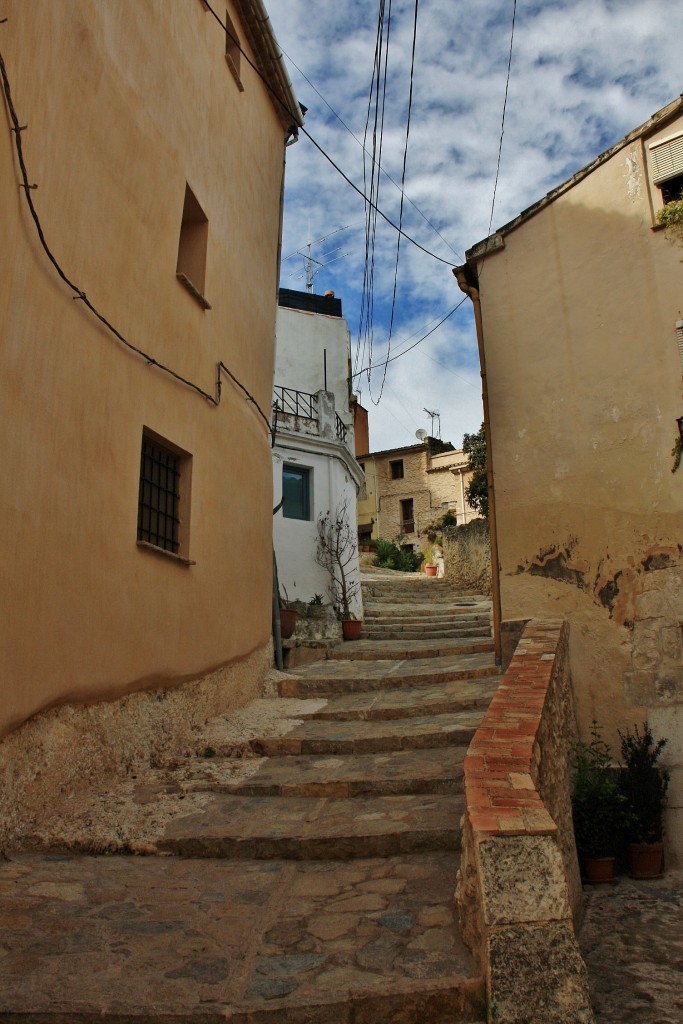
599 808
644 784
337 552
288 616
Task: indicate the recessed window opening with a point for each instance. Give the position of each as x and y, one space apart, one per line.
672 189
194 235
407 516
232 48
163 496
396 469
666 160
296 492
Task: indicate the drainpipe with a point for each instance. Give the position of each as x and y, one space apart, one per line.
468 282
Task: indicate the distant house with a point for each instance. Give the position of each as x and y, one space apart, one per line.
407 489
130 510
313 455
581 333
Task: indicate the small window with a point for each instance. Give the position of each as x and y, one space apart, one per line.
666 163
194 235
672 189
232 50
407 516
396 469
296 492
163 497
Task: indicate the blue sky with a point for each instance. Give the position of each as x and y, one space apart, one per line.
584 73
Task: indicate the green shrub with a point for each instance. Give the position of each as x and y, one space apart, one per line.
391 556
599 808
644 784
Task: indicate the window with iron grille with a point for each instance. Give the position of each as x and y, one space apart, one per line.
159 496
396 469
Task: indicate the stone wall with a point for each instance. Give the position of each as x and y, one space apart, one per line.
519 890
67 749
467 556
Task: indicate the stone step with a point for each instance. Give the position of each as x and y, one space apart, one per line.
332 678
308 828
420 612
389 773
456 695
156 940
380 650
413 632
332 736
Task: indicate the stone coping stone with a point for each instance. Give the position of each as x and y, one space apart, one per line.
168 941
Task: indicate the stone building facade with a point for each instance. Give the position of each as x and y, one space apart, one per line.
408 489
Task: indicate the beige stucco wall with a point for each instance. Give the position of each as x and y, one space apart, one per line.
122 112
584 380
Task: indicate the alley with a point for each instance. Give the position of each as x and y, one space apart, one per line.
301 859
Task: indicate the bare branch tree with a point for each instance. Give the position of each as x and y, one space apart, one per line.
336 552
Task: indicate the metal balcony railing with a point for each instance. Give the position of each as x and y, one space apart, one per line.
342 429
290 402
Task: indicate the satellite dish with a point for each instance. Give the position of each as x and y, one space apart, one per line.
420 434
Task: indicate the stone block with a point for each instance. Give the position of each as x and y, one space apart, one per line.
537 975
667 723
639 688
522 879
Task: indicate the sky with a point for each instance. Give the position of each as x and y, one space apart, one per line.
583 74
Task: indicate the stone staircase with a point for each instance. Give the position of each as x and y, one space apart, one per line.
309 879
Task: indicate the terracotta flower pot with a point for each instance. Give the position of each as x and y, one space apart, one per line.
287 622
430 570
598 870
351 628
645 859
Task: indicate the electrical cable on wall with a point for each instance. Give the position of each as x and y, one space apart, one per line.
79 294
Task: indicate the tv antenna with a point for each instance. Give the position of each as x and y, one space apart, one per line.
435 415
311 265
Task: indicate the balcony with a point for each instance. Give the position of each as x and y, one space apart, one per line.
302 412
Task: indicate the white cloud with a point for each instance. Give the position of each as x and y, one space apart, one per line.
584 73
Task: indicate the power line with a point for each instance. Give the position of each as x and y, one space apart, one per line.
320 149
381 169
405 351
502 123
400 217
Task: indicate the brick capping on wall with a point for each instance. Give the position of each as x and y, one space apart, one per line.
519 892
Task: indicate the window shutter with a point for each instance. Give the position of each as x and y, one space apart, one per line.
679 339
666 159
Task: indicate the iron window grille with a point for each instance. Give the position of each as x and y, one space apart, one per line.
159 497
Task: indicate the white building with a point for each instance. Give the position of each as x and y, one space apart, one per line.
314 467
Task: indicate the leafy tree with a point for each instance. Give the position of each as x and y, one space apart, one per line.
477 492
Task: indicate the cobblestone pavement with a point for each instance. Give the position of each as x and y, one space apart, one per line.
632 942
